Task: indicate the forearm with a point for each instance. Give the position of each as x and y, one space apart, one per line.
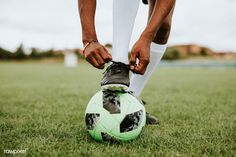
161 10
87 10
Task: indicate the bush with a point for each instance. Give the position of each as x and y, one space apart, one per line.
4 54
172 54
19 54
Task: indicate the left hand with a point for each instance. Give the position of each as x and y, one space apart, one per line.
140 52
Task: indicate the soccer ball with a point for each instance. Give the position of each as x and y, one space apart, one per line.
114 116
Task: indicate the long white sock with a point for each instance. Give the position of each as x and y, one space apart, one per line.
124 14
138 82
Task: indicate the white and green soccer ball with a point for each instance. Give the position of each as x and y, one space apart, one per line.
114 116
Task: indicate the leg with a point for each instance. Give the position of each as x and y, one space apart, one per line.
124 14
116 76
157 50
162 35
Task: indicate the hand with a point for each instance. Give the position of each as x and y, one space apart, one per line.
97 55
140 55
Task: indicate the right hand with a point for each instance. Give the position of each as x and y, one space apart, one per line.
97 55
140 51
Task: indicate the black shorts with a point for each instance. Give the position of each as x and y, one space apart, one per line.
145 1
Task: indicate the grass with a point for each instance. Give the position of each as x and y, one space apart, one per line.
42 110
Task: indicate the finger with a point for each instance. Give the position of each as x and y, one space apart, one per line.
93 61
133 58
96 64
141 68
105 55
98 58
132 61
137 70
89 59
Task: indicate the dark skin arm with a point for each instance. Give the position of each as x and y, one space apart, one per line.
141 49
94 53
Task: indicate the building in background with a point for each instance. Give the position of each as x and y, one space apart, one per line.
70 58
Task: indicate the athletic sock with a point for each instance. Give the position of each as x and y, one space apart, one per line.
138 82
124 14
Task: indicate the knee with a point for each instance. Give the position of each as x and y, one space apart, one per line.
163 33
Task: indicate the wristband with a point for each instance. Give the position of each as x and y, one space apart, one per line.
87 44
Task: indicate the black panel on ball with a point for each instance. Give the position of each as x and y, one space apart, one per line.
111 102
107 137
91 120
131 121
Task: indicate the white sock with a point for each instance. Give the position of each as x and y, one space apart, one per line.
137 82
124 14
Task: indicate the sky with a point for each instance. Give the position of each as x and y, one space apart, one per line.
55 24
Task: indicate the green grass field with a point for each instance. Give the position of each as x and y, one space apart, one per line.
42 110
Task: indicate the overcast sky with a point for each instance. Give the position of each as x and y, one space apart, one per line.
55 23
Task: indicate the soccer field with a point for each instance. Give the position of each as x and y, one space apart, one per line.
42 111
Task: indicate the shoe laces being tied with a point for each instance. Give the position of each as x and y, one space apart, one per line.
117 67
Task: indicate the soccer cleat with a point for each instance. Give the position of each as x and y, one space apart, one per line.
150 119
116 77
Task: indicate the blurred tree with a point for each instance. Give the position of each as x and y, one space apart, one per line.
19 53
203 52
